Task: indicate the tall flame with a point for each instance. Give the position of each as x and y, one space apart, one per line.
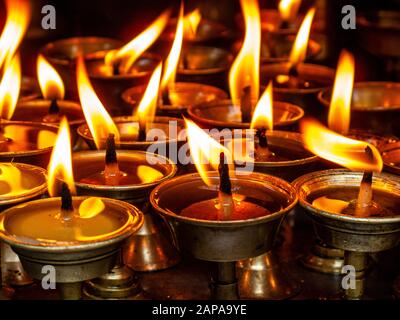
18 17
60 165
288 9
171 63
191 22
263 112
129 53
50 81
99 121
204 150
299 49
148 105
10 86
344 151
339 110
246 67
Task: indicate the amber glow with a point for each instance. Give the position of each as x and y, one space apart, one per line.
10 86
148 105
190 23
246 67
60 166
91 207
50 81
128 54
148 174
18 16
339 110
204 150
99 121
299 49
263 115
344 151
288 9
12 176
171 63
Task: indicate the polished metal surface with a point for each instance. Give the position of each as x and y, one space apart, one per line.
223 114
375 106
123 123
182 95
223 241
76 262
38 157
263 277
306 98
391 155
151 247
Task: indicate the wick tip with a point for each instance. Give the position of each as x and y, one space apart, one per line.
111 154
66 198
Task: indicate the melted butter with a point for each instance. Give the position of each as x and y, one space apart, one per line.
330 205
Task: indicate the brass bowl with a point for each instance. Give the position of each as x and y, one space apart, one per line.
35 156
62 54
291 143
206 65
346 232
221 241
375 106
224 114
85 162
182 95
73 262
109 88
306 98
124 123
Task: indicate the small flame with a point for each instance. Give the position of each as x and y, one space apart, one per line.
12 176
50 81
339 110
148 105
10 86
204 150
344 151
128 54
191 22
288 9
18 16
91 207
99 121
299 49
246 67
60 166
171 63
263 112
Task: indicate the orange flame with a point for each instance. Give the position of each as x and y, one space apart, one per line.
263 112
128 54
10 86
91 207
344 151
204 150
148 105
245 69
99 121
50 81
288 9
60 165
171 63
18 16
339 110
299 49
191 22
